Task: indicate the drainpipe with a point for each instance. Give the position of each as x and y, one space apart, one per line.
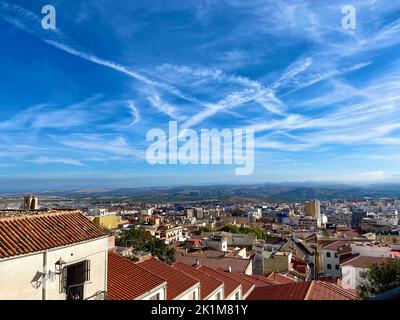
105 273
44 283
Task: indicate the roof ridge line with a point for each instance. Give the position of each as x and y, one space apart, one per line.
308 293
38 215
357 256
337 288
195 279
138 265
230 276
197 270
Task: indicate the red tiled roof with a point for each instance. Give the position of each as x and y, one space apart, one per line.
208 284
292 291
178 281
204 253
321 290
364 261
346 257
196 242
128 281
230 285
335 245
27 233
329 279
236 264
281 279
344 249
394 253
308 290
247 286
258 281
195 236
351 234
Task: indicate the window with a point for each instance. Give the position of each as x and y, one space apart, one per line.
336 255
328 254
73 278
329 266
337 267
155 297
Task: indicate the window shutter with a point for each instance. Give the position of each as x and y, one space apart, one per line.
87 270
63 280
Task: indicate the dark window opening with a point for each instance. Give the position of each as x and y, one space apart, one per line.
328 254
73 279
155 297
329 266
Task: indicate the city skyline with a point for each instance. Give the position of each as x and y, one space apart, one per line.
76 102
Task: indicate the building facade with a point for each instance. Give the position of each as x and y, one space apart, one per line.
52 256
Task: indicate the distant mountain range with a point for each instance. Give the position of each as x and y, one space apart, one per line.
277 192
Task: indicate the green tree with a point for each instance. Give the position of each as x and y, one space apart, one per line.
380 278
230 228
255 231
142 240
202 229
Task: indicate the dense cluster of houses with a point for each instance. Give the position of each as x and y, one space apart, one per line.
63 255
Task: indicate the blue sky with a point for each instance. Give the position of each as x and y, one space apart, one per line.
76 102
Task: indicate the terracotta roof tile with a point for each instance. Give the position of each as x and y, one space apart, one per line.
208 284
279 278
346 257
236 264
335 245
22 234
257 280
307 290
291 291
247 285
364 261
128 281
321 290
230 285
178 281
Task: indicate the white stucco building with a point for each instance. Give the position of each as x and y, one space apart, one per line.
53 255
217 242
172 234
352 269
330 257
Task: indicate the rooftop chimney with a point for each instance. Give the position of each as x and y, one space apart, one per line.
229 269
